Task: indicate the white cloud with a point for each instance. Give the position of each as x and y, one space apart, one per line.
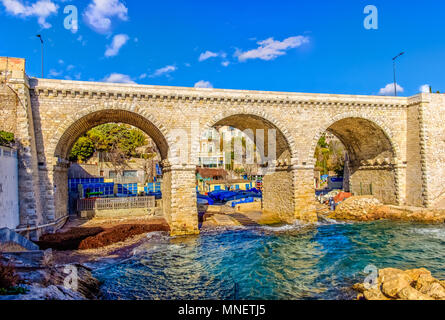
270 49
70 67
143 76
225 63
99 13
118 78
388 90
80 39
163 71
203 84
42 9
209 54
54 73
118 42
424 88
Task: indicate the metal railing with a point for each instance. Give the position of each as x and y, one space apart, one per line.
115 203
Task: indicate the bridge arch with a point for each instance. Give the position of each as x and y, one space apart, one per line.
252 118
373 155
385 134
71 129
68 133
279 178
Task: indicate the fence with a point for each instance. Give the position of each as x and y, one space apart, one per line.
152 187
115 203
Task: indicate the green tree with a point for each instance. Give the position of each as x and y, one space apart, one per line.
6 138
82 150
108 138
329 156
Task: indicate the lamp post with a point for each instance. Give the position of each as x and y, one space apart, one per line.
41 42
394 68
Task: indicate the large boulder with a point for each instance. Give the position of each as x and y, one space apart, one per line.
359 208
395 284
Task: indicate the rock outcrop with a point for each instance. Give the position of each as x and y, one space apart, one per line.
395 284
356 208
43 280
367 208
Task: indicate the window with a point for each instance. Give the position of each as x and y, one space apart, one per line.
132 173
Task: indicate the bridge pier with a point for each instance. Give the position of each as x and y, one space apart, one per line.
20 122
289 194
179 199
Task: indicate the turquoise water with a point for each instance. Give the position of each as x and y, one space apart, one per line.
319 262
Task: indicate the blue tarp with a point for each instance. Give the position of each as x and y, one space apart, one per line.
246 200
157 195
224 196
202 199
158 170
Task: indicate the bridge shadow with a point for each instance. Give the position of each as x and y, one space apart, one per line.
244 220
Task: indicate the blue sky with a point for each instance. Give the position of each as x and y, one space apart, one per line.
318 46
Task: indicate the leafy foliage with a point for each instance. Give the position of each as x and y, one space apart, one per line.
82 149
6 138
108 138
329 156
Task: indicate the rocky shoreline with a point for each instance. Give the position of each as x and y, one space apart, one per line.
395 284
47 280
367 208
60 272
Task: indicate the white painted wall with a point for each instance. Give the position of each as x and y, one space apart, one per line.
9 189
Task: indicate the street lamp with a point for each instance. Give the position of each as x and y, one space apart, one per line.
394 68
41 41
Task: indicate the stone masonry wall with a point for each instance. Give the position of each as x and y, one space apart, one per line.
432 133
179 200
278 195
304 194
414 178
31 213
378 182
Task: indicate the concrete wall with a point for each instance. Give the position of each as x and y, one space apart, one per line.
9 189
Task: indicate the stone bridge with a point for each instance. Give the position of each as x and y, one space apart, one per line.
395 143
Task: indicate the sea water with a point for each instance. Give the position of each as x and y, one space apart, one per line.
283 262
